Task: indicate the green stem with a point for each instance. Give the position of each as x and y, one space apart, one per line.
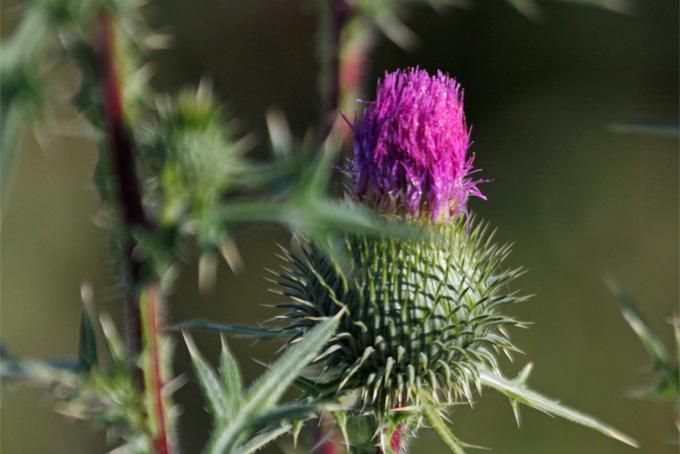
333 16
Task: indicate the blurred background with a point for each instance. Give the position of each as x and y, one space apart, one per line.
579 200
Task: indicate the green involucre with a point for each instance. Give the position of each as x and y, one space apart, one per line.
421 315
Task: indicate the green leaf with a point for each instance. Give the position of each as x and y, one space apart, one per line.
87 348
668 386
516 390
264 438
649 339
210 385
267 391
231 378
341 422
319 218
239 330
660 130
40 372
434 418
279 415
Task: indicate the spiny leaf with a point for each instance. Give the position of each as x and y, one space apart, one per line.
40 372
649 339
231 378
316 215
668 386
210 385
516 390
239 330
266 392
87 345
435 419
280 415
264 438
341 421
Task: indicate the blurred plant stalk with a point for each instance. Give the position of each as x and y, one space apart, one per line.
141 328
122 155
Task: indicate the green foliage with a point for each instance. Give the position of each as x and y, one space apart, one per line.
434 418
518 393
667 386
192 150
260 332
101 391
388 15
648 128
237 414
87 352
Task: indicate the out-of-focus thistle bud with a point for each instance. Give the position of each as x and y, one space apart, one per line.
423 315
194 151
411 148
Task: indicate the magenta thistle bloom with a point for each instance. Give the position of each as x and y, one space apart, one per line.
410 148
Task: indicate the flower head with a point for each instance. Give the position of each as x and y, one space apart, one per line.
410 148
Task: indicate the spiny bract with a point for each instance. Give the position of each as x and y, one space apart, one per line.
421 315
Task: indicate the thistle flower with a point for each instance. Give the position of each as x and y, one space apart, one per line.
411 148
421 319
421 316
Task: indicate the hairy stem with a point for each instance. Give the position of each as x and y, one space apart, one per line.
121 149
153 370
142 329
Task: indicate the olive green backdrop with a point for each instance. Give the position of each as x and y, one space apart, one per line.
578 200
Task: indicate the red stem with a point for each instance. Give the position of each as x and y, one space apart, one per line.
154 378
121 149
120 142
122 153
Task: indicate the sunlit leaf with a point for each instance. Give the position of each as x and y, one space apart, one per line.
267 391
210 384
516 390
651 342
262 439
435 420
231 378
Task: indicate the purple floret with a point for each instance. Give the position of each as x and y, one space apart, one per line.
410 148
